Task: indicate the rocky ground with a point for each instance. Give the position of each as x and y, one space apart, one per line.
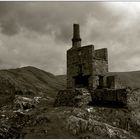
36 117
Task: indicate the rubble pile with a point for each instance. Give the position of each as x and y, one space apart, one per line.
20 114
73 97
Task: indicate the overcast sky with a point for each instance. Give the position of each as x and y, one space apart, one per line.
39 33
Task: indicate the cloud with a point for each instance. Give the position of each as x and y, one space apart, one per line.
39 33
43 17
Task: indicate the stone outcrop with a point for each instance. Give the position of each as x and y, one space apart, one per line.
93 129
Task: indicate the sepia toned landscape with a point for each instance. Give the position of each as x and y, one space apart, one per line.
54 85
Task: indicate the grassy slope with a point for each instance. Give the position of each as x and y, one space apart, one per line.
131 79
32 79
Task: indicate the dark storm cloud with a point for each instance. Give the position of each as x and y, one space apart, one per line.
39 33
45 17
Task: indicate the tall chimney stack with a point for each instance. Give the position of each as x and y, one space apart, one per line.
76 40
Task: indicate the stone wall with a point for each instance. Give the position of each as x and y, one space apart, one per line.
101 54
88 62
79 61
110 96
100 67
114 82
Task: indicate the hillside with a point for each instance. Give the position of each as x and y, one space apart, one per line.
30 80
130 79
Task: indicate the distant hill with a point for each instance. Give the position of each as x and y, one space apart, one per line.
31 80
130 79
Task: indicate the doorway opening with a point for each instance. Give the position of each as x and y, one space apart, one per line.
101 82
81 81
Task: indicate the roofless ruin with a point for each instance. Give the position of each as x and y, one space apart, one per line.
87 77
86 67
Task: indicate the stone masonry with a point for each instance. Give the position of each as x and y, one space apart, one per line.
88 68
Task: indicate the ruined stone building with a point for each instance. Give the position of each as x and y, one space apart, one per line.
87 68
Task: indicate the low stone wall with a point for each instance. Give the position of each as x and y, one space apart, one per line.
73 97
110 96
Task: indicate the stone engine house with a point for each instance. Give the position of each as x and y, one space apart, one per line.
87 77
86 67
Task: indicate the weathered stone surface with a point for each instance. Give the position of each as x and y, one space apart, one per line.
74 97
85 61
94 129
101 54
112 96
76 40
55 122
24 104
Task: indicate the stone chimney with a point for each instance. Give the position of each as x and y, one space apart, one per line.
76 40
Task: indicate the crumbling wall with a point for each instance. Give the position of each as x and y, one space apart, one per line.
79 61
86 61
110 97
101 54
100 62
100 67
114 82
